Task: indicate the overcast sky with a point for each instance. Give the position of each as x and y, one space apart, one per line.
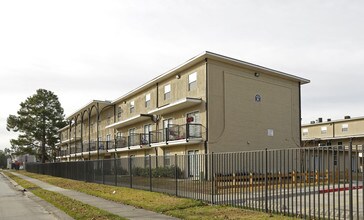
84 50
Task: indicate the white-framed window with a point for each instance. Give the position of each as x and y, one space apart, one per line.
345 128
120 111
192 81
323 130
167 92
147 100
167 158
305 132
132 107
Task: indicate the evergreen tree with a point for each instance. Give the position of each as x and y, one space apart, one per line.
37 121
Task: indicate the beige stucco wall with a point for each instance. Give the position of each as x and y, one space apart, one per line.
237 122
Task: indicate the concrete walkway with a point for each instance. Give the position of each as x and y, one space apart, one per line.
125 211
17 204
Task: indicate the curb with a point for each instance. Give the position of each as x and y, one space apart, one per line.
59 214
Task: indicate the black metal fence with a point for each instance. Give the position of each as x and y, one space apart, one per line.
321 182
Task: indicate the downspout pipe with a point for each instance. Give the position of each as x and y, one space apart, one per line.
300 113
206 106
207 123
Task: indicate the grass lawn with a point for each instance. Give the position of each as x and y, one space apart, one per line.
178 207
73 208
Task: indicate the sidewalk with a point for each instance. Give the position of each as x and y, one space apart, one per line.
125 211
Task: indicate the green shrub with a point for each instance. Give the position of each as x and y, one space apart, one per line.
169 172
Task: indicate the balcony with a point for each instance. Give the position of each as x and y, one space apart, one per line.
175 134
176 106
133 120
72 140
61 154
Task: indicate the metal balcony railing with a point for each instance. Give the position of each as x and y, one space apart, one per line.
72 150
172 133
121 142
134 139
61 153
176 132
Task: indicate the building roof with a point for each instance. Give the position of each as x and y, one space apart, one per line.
101 104
214 56
333 121
199 58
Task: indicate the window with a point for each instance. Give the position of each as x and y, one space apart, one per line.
108 120
323 130
147 100
192 81
120 111
167 92
345 128
305 132
132 107
167 158
340 145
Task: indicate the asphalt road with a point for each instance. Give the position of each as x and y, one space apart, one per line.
14 204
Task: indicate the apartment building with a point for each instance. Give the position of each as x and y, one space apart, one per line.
338 134
210 103
333 132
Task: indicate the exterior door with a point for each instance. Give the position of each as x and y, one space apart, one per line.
108 141
193 121
193 164
145 137
131 137
166 124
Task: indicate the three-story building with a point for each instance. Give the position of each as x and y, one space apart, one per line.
211 103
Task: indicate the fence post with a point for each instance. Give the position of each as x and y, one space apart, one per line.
175 173
85 170
212 179
150 172
266 180
115 170
102 171
351 180
130 173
